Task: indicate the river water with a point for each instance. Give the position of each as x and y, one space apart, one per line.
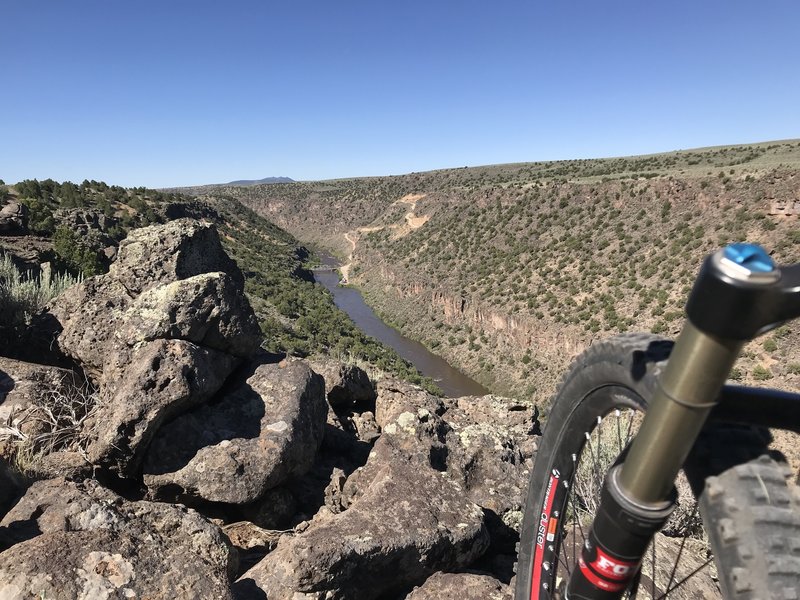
452 381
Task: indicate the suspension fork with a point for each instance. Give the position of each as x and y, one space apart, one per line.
738 295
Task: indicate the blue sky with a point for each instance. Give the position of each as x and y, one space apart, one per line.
173 92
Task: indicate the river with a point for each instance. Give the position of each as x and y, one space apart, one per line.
452 381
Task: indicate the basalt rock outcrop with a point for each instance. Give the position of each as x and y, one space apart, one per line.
83 541
268 427
160 380
13 218
300 487
404 520
409 511
170 282
159 333
346 386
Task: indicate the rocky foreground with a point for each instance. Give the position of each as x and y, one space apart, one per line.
198 466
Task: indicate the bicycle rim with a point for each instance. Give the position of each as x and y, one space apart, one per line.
598 431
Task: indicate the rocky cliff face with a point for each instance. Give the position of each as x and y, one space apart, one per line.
185 462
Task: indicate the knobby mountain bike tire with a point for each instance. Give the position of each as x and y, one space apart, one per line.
751 514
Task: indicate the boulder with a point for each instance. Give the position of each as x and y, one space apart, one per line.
346 386
160 254
464 586
485 443
144 389
170 281
208 309
266 428
404 520
14 218
87 317
366 427
395 397
83 541
490 447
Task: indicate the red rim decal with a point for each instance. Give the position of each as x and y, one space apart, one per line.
542 532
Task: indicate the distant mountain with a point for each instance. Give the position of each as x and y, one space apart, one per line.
260 181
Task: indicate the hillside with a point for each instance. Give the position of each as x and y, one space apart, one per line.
78 227
510 270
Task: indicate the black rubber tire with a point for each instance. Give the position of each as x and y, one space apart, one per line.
618 373
753 517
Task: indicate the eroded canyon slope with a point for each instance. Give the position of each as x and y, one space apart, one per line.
510 270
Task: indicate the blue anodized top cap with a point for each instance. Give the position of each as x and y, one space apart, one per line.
749 256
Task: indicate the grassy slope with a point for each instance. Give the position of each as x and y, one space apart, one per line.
521 266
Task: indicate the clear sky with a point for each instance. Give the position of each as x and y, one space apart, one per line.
179 92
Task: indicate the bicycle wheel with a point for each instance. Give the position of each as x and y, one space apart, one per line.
595 413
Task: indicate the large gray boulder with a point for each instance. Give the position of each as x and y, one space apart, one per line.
207 309
160 333
486 443
88 316
170 281
146 388
405 519
83 541
161 254
266 428
395 397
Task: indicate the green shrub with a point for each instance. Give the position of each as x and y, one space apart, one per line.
770 345
77 257
761 373
40 217
22 296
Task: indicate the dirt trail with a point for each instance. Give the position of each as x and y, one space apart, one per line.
345 269
412 222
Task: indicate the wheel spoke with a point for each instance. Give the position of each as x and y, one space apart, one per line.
680 551
653 568
685 579
589 467
630 425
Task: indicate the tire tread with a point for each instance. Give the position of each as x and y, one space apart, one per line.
754 529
